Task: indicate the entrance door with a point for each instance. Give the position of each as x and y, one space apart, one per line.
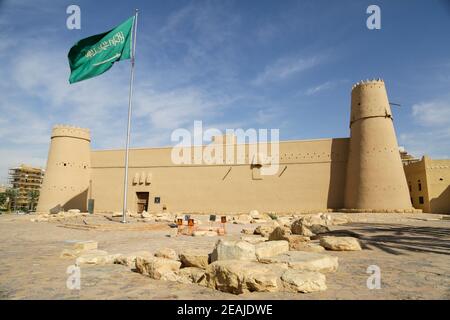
142 201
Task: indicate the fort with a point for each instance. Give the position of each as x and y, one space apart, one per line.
361 173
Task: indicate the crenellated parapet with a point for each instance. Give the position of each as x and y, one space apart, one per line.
72 132
368 82
369 99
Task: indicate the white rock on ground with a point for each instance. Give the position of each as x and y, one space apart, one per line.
130 258
192 275
259 221
74 211
233 250
96 257
145 214
194 258
284 221
242 219
264 230
118 214
273 223
235 276
337 219
167 253
271 248
318 229
254 239
300 228
306 261
247 230
254 214
279 233
303 281
158 268
79 248
204 233
85 245
70 253
315 218
295 241
257 217
340 243
39 219
307 246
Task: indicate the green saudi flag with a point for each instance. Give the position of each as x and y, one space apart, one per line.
95 55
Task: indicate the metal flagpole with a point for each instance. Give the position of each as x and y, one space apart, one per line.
125 183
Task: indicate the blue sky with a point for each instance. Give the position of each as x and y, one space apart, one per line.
232 64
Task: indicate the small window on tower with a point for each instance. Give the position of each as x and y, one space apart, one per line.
157 199
421 200
419 185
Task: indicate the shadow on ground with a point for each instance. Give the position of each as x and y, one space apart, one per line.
396 239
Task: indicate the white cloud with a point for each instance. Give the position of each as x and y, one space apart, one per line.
434 113
286 67
434 143
321 87
434 139
37 95
174 108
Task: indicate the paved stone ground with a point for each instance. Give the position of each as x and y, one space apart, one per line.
412 250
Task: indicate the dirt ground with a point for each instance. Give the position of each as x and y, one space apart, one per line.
412 251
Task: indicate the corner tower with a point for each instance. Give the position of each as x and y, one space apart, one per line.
375 176
66 180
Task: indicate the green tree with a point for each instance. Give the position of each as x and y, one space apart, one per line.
3 198
12 194
33 196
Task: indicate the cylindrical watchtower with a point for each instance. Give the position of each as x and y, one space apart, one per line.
66 180
375 176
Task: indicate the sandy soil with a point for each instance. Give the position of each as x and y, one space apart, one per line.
412 250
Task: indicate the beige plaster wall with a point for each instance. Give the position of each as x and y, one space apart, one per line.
438 183
311 176
434 177
415 175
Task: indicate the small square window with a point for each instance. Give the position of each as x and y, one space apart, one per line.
421 200
157 199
